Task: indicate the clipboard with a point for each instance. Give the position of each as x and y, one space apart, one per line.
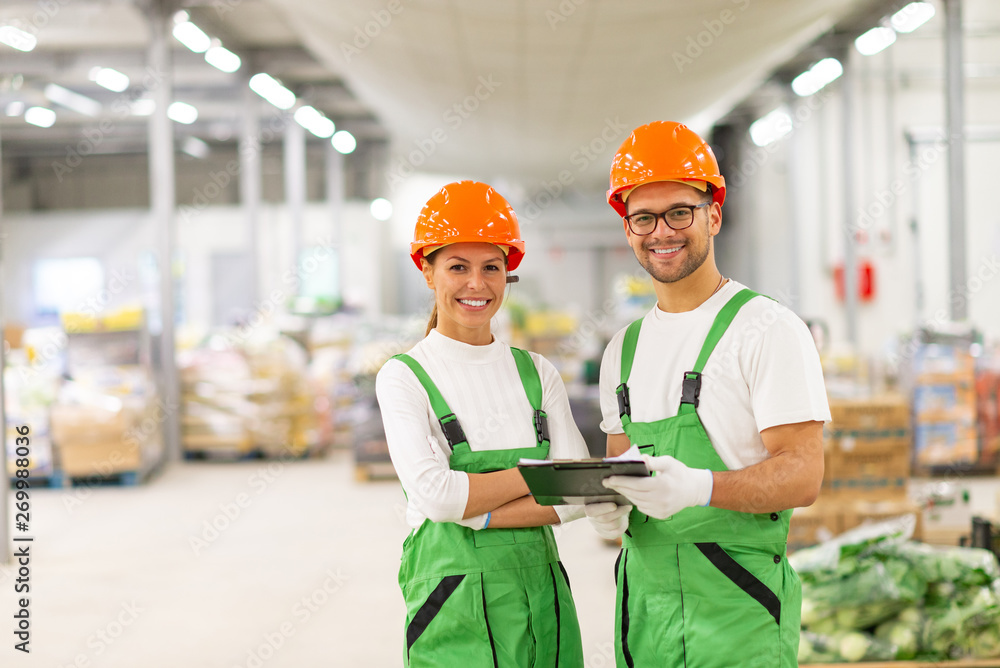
576 481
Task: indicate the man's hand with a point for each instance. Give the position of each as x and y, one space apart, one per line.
608 519
671 488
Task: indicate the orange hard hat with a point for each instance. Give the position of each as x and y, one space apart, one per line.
663 151
468 211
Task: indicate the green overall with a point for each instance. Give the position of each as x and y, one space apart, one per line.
494 597
705 587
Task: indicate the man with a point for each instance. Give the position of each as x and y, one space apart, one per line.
722 391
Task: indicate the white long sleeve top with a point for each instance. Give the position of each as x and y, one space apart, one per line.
482 387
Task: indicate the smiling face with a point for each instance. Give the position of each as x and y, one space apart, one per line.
670 255
468 280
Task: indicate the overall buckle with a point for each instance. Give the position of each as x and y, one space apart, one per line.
452 430
624 407
691 389
541 426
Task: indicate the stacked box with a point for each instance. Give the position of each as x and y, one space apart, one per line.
867 449
104 440
944 407
814 524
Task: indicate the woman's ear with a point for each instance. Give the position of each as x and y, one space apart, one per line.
428 270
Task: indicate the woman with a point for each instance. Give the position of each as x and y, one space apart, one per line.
480 570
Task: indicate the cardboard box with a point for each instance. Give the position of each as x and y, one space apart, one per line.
884 412
940 402
945 443
864 512
868 465
814 524
95 441
100 458
934 362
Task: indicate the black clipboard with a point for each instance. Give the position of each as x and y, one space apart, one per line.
576 481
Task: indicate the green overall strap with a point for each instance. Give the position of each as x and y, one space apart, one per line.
533 389
446 418
692 379
628 356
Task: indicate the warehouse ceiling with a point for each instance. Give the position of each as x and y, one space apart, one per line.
524 90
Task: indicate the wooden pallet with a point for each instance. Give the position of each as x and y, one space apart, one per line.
368 471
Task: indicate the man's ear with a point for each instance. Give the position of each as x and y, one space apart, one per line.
428 270
714 218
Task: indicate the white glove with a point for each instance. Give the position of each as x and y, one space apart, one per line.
440 453
672 488
608 519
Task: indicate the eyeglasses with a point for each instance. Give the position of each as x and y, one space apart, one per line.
677 218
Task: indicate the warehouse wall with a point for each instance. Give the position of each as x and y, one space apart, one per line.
123 239
896 91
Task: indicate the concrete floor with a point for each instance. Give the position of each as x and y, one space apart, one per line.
248 565
252 565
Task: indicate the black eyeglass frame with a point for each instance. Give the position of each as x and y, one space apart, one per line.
663 215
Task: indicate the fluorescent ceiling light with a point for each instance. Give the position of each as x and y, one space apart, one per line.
816 77
344 142
912 16
182 112
108 78
771 127
143 107
17 38
192 36
40 116
81 104
381 208
875 40
313 121
223 59
196 148
15 108
271 90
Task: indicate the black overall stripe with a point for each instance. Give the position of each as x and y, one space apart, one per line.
431 607
743 578
486 617
625 651
565 575
555 599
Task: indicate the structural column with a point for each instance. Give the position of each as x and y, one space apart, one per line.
250 183
955 119
162 202
850 202
295 185
335 200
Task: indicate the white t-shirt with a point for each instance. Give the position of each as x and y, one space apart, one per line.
765 371
481 385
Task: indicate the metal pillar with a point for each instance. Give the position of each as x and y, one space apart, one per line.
162 191
335 200
918 275
250 183
795 163
955 120
4 479
295 185
850 202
